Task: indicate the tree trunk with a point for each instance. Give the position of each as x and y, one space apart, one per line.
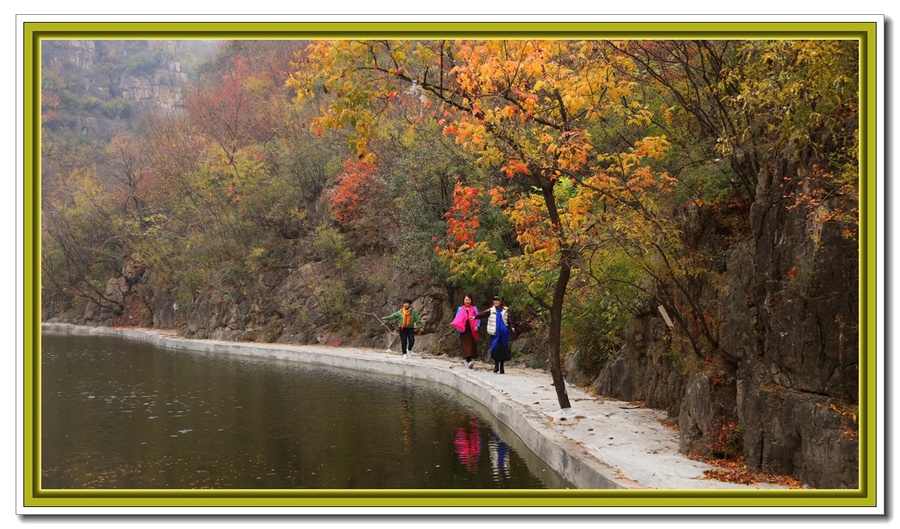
559 294
565 271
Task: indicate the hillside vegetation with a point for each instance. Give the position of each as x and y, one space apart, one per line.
672 222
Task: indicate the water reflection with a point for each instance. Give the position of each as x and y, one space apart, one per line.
499 457
468 442
122 414
467 446
407 413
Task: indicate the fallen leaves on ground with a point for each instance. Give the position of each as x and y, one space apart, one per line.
669 424
736 471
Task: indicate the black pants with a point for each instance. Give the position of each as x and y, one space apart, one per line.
407 339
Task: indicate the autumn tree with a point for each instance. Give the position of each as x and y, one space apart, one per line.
221 106
82 247
799 99
358 201
524 107
731 111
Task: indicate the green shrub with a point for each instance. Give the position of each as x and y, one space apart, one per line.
332 244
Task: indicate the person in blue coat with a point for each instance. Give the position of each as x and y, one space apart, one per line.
499 326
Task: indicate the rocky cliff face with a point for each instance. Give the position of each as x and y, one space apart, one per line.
161 90
645 371
306 301
105 84
783 382
800 363
122 74
78 53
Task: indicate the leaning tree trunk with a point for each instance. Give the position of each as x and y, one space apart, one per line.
555 331
559 294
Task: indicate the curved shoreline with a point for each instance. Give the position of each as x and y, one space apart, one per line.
597 444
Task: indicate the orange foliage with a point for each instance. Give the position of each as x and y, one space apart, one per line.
462 219
358 184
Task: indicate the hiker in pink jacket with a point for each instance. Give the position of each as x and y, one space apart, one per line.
467 326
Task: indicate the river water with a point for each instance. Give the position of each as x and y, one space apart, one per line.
123 414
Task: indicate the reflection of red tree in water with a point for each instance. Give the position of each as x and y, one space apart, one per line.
468 444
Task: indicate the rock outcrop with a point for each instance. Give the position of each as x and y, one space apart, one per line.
783 382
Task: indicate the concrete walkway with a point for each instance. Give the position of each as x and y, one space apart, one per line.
596 444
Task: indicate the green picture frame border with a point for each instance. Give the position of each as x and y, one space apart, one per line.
866 32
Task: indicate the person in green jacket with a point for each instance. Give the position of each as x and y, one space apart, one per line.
408 321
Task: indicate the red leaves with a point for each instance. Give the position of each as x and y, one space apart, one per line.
358 182
462 219
317 126
669 424
514 167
